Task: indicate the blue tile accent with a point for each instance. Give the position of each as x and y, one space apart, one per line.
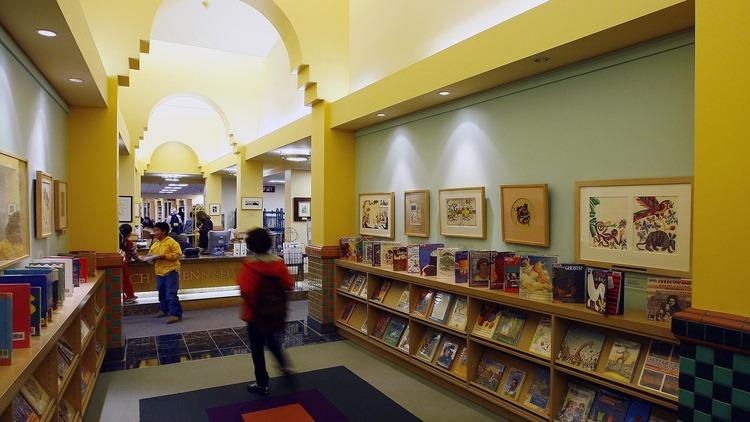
714 334
696 331
723 393
733 338
173 358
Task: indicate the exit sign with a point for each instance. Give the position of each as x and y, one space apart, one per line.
270 189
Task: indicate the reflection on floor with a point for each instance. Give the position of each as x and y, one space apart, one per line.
195 345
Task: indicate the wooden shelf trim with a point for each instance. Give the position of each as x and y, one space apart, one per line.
514 407
436 367
351 296
388 309
49 411
438 326
511 351
63 386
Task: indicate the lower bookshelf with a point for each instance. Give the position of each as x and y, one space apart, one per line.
496 367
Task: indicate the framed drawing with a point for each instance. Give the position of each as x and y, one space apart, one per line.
302 210
14 210
462 212
125 209
61 205
638 225
248 203
44 197
525 214
417 213
215 209
376 214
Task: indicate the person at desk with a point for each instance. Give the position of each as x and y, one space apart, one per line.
165 253
175 222
205 225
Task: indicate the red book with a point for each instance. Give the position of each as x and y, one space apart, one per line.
498 270
21 313
615 293
84 270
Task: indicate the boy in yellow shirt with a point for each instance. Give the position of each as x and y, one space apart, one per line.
166 253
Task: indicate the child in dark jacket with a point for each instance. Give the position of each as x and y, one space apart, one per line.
258 268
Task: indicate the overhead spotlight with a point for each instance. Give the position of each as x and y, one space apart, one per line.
277 181
296 158
444 93
46 33
380 114
76 80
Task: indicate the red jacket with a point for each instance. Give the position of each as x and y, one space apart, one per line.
253 270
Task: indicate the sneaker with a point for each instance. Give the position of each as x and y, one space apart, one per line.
258 389
173 319
160 314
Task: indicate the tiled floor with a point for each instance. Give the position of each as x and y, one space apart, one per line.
174 348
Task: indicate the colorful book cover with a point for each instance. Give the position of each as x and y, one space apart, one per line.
428 259
367 252
512 268
461 363
446 260
403 344
577 404
66 350
440 306
541 344
596 290
429 344
487 320
403 301
36 311
58 279
380 326
412 255
609 407
510 327
363 292
387 253
568 281
376 253
615 293
381 291
346 283
21 313
447 353
359 283
480 268
35 395
347 312
497 279
67 262
423 303
35 280
51 275
489 372
582 347
536 277
458 315
22 411
350 248
667 296
394 331
537 396
461 272
659 414
622 359
660 373
638 411
400 258
514 383
6 328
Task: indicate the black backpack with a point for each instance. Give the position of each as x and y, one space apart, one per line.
270 305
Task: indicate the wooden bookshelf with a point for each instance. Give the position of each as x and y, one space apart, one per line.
630 326
40 360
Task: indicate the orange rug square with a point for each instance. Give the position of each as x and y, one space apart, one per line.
291 412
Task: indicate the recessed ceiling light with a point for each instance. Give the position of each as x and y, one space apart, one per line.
444 93
541 60
380 114
276 181
46 33
76 80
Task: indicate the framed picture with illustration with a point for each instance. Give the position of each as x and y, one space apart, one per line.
44 198
248 203
417 213
525 214
14 210
463 212
61 205
125 208
640 225
376 214
215 209
302 210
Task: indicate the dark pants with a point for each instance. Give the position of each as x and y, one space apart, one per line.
258 340
168 285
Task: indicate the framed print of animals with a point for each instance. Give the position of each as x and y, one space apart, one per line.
525 214
462 212
417 213
376 214
44 198
61 205
640 225
14 210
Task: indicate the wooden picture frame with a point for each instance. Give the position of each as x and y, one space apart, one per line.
44 204
251 203
417 213
463 212
524 213
640 225
125 208
302 209
14 209
61 205
376 215
214 209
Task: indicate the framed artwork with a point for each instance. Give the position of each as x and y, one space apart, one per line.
44 198
525 214
215 209
302 211
640 225
462 212
61 205
376 214
248 203
417 213
125 209
14 210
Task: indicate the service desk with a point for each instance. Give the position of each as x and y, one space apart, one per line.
202 272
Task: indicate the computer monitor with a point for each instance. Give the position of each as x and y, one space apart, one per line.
218 239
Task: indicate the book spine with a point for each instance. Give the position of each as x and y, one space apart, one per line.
6 329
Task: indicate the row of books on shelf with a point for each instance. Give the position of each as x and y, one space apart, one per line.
534 277
33 400
30 297
584 403
532 393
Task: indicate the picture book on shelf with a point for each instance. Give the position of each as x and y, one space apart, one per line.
569 282
346 283
447 353
428 259
394 331
21 309
577 404
66 411
489 372
622 360
659 414
440 306
367 251
400 258
380 325
376 248
403 301
457 319
639 411
535 281
460 363
615 292
514 383
35 395
509 327
480 268
412 259
596 290
22 410
461 273
351 248
609 406
363 292
667 296
359 283
424 300
347 312
512 268
387 253
537 395
65 348
6 328
541 344
582 347
36 311
428 345
497 278
661 371
446 262
381 291
403 344
487 320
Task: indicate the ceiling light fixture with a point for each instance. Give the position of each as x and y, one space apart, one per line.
296 158
380 114
76 80
46 33
444 93
277 181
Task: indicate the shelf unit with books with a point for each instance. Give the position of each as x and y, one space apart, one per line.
387 327
525 334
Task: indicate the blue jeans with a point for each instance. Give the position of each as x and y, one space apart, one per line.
168 285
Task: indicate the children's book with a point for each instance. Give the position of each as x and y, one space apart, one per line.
36 311
66 411
380 326
541 344
486 323
351 248
577 404
386 254
510 327
497 279
638 411
423 303
615 293
367 252
394 331
6 328
429 344
447 353
480 268
403 301
622 359
36 395
376 253
537 395
609 407
489 372
596 290
462 267
661 372
582 347
446 262
512 269
568 281
460 363
347 312
381 291
536 277
21 294
514 383
22 410
403 344
346 283
412 252
428 259
440 307
400 258
666 297
457 319
359 284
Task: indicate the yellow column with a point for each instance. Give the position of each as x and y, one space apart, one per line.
137 193
126 179
92 175
249 185
213 196
721 203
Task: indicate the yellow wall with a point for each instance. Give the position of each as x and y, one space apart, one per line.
721 203
298 184
174 157
126 178
213 195
249 184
